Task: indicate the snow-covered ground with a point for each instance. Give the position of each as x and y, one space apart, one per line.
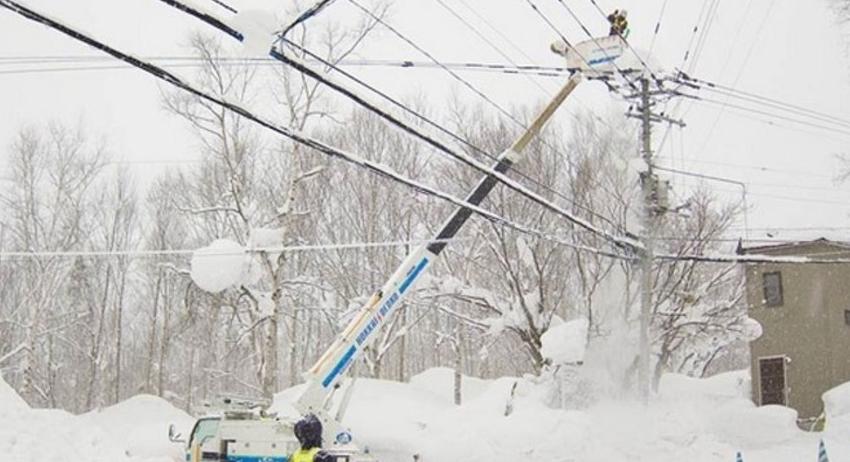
134 430
689 420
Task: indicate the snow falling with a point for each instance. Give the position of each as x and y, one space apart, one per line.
442 244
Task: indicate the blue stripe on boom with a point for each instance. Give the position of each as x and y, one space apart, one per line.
413 274
339 366
256 459
606 59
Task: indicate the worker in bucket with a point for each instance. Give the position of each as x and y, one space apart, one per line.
619 23
309 433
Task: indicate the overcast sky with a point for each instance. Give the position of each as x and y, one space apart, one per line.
790 50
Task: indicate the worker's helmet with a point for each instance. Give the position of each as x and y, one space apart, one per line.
308 430
624 13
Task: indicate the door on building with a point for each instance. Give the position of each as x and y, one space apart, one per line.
772 378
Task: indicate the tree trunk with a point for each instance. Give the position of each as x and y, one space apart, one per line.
119 334
270 367
154 328
458 376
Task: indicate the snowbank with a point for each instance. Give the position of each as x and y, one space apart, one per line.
836 402
47 435
439 381
140 425
837 409
698 420
701 420
9 400
726 386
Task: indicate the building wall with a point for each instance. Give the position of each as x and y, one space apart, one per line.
809 328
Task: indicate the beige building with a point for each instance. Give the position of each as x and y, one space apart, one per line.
804 310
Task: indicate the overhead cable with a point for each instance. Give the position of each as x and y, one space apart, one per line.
220 252
321 76
302 138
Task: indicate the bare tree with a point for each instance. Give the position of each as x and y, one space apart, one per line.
47 200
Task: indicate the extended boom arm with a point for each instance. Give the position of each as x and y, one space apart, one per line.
324 376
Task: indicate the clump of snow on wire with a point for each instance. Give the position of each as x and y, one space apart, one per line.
259 24
566 342
221 265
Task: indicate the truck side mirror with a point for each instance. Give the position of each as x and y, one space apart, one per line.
173 436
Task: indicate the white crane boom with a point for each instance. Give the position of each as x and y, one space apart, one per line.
325 375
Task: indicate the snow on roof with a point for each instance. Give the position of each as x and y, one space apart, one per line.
782 244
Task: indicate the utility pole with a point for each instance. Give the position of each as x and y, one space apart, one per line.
649 208
654 196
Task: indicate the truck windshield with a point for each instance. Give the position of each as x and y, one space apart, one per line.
203 429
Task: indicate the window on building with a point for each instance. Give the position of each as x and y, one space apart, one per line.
772 288
847 317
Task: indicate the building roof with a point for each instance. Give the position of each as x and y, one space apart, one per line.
799 248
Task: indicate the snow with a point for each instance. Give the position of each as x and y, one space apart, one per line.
439 381
565 343
698 420
265 303
258 26
221 265
262 238
135 430
752 330
526 256
140 425
10 402
702 420
837 401
48 435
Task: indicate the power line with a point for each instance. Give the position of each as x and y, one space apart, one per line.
756 167
657 28
438 127
546 93
694 32
787 198
218 253
303 17
743 66
467 67
719 258
626 243
750 183
425 53
488 42
496 30
704 33
761 99
470 162
699 99
224 5
311 142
